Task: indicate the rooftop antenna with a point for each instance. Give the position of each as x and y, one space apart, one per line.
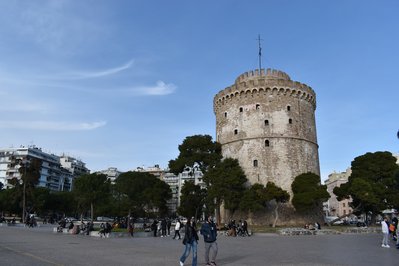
260 52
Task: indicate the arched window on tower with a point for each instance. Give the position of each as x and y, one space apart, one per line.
267 143
255 163
288 108
257 106
241 109
225 114
235 131
290 121
266 122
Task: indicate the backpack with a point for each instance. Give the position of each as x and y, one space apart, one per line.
391 227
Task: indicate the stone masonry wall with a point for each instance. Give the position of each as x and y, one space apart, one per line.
267 122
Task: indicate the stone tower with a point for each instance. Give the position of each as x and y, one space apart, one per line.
267 122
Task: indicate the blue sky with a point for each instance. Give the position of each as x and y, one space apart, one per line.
122 83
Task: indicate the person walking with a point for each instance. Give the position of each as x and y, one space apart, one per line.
394 222
209 232
190 241
168 225
245 227
102 230
154 227
385 233
163 227
397 238
177 229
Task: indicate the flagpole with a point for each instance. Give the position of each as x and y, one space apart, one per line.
260 53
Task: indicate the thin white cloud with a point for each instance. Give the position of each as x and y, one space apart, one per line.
52 126
24 107
97 74
161 88
53 26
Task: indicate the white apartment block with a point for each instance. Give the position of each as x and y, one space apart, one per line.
154 170
75 166
112 173
190 174
175 182
52 174
333 207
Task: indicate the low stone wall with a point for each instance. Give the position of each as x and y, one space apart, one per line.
302 231
362 230
349 230
111 235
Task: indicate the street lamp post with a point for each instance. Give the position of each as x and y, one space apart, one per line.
24 163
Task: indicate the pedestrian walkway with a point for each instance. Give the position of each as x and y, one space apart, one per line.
40 246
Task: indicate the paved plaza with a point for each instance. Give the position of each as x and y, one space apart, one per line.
41 246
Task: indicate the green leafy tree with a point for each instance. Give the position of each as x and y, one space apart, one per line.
10 200
395 196
277 194
373 184
91 189
309 194
197 149
192 200
254 198
225 183
41 196
141 192
30 172
61 202
257 196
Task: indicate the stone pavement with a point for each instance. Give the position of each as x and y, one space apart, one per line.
40 246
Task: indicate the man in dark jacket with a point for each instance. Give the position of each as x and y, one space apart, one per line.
208 230
163 227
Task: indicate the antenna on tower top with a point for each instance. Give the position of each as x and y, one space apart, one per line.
260 52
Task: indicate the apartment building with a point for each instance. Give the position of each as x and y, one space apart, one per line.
112 173
53 174
333 207
175 182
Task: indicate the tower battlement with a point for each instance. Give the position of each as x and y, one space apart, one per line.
268 82
268 74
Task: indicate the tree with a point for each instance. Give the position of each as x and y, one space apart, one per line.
309 194
257 196
373 184
277 194
41 196
30 175
10 200
254 198
141 192
91 189
395 196
63 202
192 200
225 183
197 149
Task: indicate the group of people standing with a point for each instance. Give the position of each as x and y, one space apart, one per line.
105 229
163 227
390 228
190 241
237 229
